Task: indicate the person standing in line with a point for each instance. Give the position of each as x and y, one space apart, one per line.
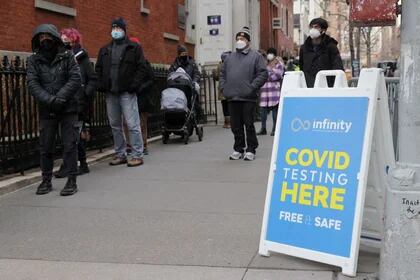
120 70
53 79
72 41
145 98
243 73
319 52
270 92
221 97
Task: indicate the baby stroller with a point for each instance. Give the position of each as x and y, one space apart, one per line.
177 104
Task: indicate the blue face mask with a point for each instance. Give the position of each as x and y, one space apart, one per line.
117 34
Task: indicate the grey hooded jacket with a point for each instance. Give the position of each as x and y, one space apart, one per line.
242 75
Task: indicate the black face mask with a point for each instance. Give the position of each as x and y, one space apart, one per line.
47 45
67 46
183 59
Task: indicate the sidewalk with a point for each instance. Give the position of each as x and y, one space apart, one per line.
188 213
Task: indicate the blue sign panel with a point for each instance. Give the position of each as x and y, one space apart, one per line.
316 178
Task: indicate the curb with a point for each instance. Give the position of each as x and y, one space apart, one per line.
19 182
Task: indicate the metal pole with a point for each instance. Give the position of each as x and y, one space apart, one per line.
400 253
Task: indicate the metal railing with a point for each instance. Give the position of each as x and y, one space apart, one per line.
19 131
392 87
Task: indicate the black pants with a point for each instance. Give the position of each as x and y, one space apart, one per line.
48 133
81 144
225 107
242 116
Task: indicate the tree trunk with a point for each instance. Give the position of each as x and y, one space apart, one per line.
351 45
358 44
369 47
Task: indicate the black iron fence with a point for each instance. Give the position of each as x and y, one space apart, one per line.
19 131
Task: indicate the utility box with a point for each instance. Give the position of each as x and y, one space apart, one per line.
373 12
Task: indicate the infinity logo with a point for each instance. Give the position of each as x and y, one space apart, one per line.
298 124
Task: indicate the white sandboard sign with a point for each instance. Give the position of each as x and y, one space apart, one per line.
319 168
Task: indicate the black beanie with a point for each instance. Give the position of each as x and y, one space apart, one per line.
181 49
272 50
119 22
245 32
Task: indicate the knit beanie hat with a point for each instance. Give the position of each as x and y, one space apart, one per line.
119 22
181 49
245 32
272 50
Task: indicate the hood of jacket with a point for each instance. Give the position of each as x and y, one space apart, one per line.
325 41
45 28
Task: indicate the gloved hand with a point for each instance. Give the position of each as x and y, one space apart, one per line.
57 105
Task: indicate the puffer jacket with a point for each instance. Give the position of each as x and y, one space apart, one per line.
326 57
49 81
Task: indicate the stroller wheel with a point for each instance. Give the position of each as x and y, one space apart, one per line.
200 133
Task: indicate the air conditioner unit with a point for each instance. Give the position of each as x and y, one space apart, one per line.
277 23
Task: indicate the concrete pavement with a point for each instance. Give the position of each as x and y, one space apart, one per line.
188 213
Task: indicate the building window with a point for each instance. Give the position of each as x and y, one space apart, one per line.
143 7
287 22
56 7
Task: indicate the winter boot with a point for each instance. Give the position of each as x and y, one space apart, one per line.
83 168
70 188
61 173
45 186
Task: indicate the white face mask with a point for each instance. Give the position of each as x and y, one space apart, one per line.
314 33
240 45
270 57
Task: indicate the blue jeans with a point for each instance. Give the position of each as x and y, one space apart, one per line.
264 114
119 106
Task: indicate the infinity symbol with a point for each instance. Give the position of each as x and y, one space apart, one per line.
298 124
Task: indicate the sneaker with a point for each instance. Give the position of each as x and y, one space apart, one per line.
263 131
272 133
236 155
145 151
118 161
70 188
135 162
249 156
45 187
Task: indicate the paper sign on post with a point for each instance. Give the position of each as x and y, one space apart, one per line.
318 170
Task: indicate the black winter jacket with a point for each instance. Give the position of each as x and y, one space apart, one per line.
190 68
327 57
87 92
59 79
145 96
131 70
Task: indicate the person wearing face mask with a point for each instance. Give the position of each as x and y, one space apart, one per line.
270 91
121 71
243 73
72 39
53 78
319 52
186 62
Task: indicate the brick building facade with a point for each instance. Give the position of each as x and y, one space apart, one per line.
156 23
279 35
